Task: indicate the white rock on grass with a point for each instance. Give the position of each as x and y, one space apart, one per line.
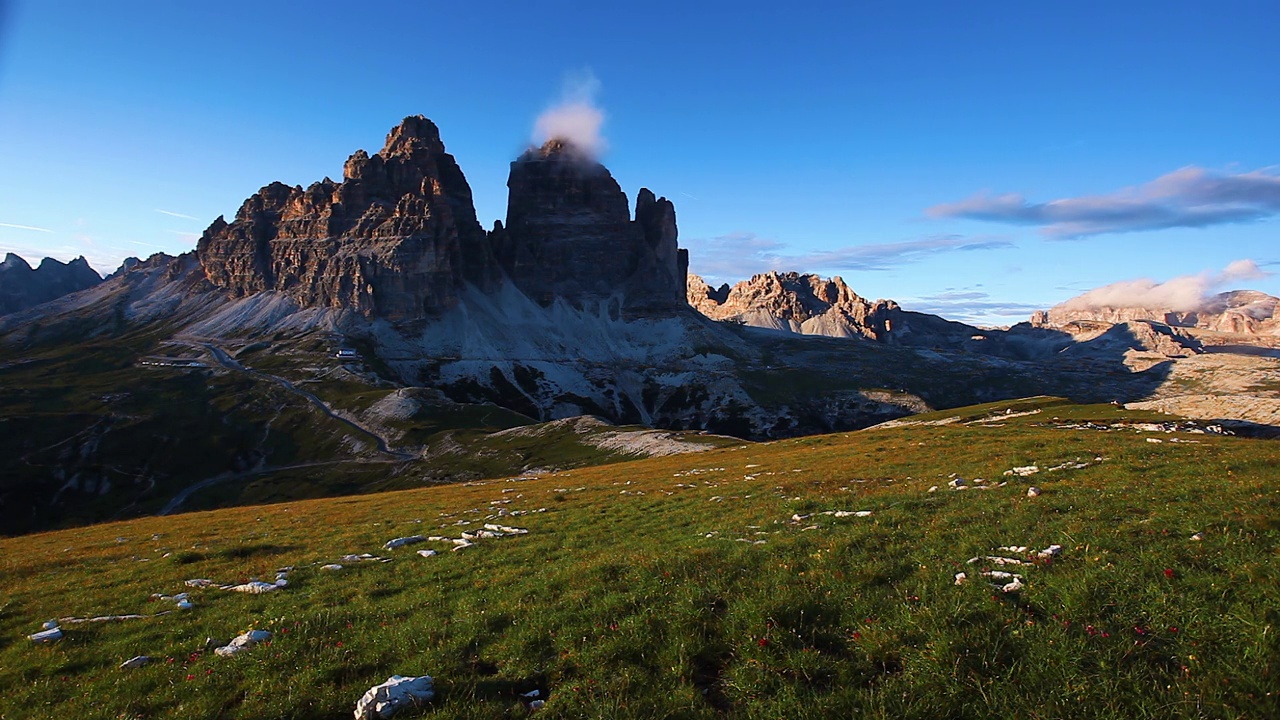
382 701
331 566
1023 471
135 662
427 553
1014 586
1052 551
401 542
961 578
47 636
254 587
1033 491
242 642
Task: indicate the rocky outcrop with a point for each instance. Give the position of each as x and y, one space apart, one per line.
1244 312
22 287
805 304
570 235
396 238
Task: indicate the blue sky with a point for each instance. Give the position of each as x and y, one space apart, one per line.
979 160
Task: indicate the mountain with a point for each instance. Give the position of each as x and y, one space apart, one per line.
22 287
1240 312
398 238
369 334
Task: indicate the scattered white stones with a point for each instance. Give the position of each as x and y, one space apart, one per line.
331 566
242 642
402 541
1013 548
135 662
996 560
506 529
200 583
1154 440
427 553
382 701
1024 471
1033 491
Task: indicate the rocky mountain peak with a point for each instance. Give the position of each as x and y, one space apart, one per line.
569 234
414 134
398 237
15 262
801 303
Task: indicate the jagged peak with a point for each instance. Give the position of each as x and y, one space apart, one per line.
413 134
15 261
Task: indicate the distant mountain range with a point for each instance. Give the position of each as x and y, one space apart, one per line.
22 287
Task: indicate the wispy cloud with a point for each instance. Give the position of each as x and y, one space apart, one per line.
972 307
1179 294
733 257
25 227
170 213
1192 197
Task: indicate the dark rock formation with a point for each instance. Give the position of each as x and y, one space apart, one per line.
22 287
398 237
569 235
395 238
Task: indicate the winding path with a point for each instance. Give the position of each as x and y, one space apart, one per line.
231 363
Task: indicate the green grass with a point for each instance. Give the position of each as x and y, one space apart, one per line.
619 605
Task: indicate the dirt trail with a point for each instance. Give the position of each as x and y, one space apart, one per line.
231 363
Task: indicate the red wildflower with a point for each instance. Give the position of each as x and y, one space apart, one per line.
1168 572
762 642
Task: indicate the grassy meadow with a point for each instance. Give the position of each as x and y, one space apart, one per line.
704 586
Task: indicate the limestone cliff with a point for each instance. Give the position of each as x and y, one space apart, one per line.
395 238
569 234
398 237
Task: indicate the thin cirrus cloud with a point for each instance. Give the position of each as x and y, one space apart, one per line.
25 227
171 213
1191 197
740 255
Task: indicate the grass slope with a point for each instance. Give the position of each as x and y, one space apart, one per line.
644 590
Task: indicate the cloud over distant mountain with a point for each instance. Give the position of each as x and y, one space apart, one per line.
1190 197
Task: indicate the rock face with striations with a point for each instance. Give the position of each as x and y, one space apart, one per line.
396 238
22 287
569 235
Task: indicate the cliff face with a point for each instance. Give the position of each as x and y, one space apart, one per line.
805 304
395 238
22 287
569 234
398 237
